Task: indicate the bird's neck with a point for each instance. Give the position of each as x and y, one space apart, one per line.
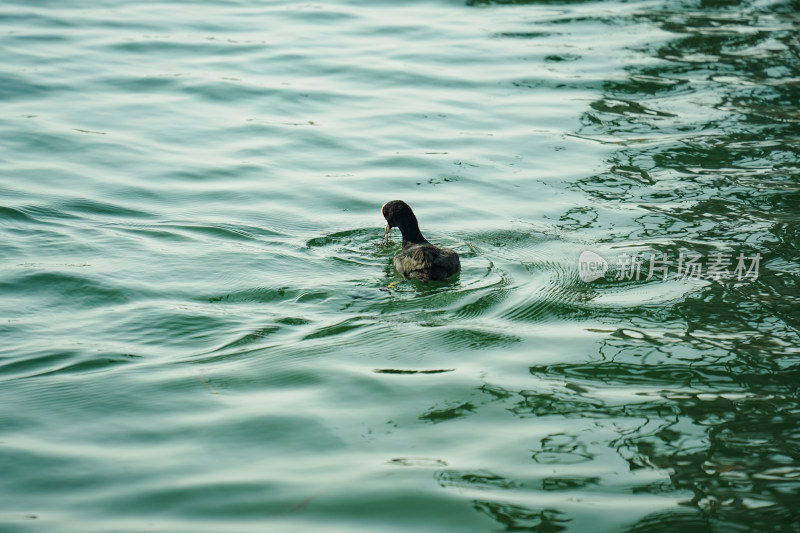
411 233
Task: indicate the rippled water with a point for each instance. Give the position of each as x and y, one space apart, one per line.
202 331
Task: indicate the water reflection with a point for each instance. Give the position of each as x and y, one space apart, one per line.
518 518
708 149
705 159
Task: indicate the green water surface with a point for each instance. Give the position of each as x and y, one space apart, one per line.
202 331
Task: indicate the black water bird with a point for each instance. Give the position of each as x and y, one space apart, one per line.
418 259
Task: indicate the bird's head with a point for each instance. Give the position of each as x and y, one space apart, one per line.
395 213
399 215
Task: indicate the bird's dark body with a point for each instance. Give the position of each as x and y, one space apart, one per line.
418 259
426 262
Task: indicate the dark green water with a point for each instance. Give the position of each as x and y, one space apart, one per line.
200 326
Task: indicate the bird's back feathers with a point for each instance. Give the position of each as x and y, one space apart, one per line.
426 262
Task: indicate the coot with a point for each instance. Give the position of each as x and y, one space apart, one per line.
418 259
